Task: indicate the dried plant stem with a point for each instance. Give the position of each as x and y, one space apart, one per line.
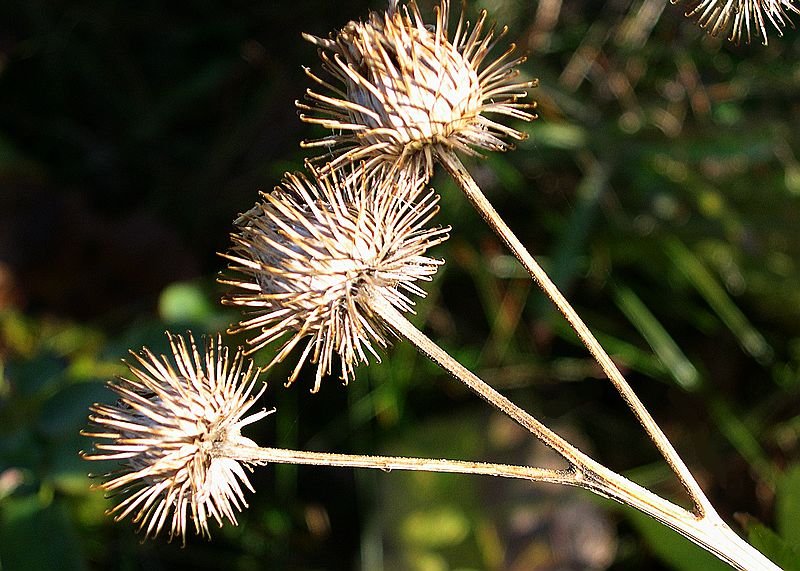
454 166
706 529
388 463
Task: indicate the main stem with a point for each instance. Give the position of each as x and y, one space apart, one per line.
707 530
454 166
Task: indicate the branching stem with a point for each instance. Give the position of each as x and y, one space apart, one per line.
707 529
454 166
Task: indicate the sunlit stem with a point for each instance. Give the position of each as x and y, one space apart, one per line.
706 529
252 454
454 166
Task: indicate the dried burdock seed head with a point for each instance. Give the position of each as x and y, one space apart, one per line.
306 255
748 17
403 91
173 413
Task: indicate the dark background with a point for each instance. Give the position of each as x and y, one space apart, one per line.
660 187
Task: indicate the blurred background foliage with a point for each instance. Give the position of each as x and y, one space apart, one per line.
660 187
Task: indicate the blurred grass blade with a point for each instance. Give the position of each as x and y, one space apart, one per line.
686 375
677 364
741 438
572 238
715 295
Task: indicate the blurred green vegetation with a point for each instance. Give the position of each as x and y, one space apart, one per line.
660 187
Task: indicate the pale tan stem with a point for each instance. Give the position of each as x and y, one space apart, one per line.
707 530
454 166
389 463
405 329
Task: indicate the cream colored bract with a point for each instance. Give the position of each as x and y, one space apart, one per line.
305 254
744 17
404 92
170 416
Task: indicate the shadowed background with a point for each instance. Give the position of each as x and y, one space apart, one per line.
660 187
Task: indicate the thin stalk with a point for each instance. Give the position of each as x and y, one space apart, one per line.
389 463
454 166
706 530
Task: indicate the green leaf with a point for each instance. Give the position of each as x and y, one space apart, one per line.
35 377
559 136
787 506
672 548
770 544
184 303
33 536
437 527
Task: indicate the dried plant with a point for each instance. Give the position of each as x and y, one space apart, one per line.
748 17
333 259
172 413
311 231
406 94
350 42
306 253
177 430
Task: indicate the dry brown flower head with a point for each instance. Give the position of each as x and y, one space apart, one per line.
404 92
164 428
305 255
747 17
